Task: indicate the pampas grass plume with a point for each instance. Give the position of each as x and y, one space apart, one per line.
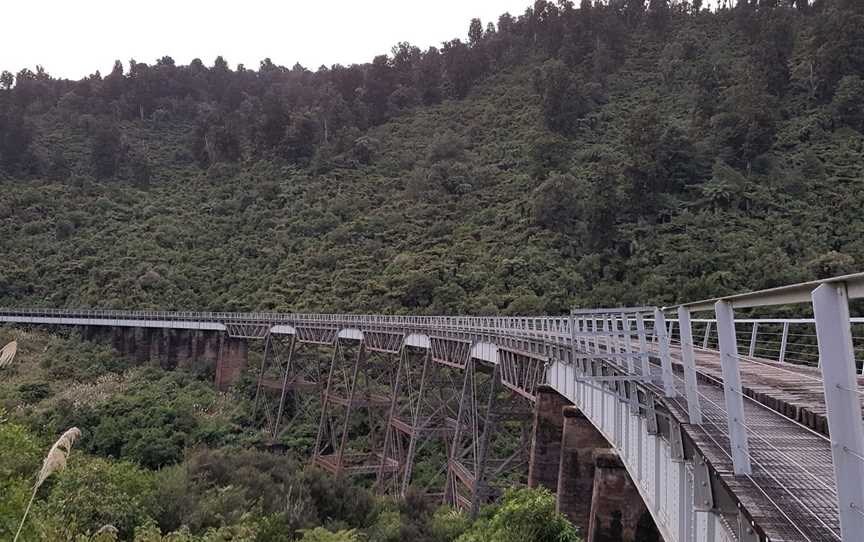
55 461
7 354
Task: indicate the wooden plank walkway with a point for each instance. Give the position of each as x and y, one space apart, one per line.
794 390
790 493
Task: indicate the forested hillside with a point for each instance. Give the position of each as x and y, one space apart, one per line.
628 151
623 152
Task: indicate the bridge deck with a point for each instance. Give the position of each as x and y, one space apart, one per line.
790 492
794 390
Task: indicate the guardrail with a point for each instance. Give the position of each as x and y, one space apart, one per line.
787 340
834 346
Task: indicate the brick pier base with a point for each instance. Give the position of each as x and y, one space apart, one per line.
546 438
576 472
201 352
618 513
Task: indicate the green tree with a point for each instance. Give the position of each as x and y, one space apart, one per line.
746 123
105 151
524 514
839 44
7 80
848 102
555 203
563 100
475 32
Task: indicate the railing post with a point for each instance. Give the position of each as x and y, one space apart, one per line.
606 334
616 339
707 335
663 348
783 340
643 346
732 392
585 337
834 336
694 409
628 343
753 339
580 328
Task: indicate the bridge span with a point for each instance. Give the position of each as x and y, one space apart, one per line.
683 422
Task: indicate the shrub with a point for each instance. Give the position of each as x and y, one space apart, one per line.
34 392
524 514
848 102
93 492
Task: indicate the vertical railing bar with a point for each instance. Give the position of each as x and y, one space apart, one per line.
628 344
834 338
665 357
643 345
732 392
783 341
753 339
688 356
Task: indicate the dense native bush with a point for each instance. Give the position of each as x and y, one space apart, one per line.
157 417
289 189
212 494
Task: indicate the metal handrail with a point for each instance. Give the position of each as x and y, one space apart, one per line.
782 295
532 323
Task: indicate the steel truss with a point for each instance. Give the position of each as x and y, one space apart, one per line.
449 351
466 422
353 411
288 393
522 371
492 440
247 330
421 424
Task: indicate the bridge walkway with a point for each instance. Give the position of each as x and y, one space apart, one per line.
791 492
794 390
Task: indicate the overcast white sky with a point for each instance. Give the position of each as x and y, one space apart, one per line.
73 38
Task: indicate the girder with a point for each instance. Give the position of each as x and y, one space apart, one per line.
325 335
247 330
453 352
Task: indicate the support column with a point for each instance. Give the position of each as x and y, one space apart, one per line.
546 435
118 340
130 341
182 351
164 339
141 340
618 513
154 341
169 343
233 357
576 471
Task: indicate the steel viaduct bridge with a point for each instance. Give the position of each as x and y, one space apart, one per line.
685 423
